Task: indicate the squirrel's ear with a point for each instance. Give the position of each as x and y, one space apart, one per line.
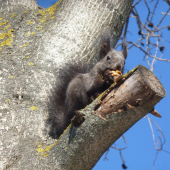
104 49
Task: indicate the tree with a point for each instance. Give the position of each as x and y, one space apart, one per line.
32 43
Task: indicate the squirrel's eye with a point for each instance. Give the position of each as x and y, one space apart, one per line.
108 58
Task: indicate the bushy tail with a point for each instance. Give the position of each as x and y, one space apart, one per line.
57 119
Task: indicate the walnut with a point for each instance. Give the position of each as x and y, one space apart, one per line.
116 73
112 76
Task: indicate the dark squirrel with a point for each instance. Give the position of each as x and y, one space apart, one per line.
77 86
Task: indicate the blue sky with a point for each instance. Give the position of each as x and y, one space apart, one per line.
141 153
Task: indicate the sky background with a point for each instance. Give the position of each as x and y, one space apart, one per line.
141 153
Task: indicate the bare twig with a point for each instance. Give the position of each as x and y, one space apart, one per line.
147 19
163 17
168 1
148 53
165 13
124 140
136 4
155 6
120 152
160 148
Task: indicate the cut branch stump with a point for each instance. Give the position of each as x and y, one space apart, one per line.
108 118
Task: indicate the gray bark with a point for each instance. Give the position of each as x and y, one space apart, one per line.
33 46
9 5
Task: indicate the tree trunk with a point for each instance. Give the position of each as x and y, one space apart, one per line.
34 44
10 5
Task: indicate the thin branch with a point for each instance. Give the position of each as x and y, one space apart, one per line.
159 140
168 1
155 6
124 139
164 27
163 17
139 21
147 19
136 3
136 42
165 13
120 152
105 158
149 54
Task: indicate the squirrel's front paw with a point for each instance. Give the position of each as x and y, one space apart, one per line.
111 76
108 77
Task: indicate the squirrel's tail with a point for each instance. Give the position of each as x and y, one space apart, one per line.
57 120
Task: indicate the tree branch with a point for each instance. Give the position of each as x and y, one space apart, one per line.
108 117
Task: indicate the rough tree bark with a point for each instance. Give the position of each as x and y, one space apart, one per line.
34 44
8 5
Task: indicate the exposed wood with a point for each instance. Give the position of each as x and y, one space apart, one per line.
155 113
140 86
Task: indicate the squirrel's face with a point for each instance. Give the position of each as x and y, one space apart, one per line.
113 60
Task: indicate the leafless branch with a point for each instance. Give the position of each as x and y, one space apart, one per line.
157 148
155 6
148 53
120 152
147 19
163 17
148 30
136 4
165 13
168 1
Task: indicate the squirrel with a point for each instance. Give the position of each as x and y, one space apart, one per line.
78 86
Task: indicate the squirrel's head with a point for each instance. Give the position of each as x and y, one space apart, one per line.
111 59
